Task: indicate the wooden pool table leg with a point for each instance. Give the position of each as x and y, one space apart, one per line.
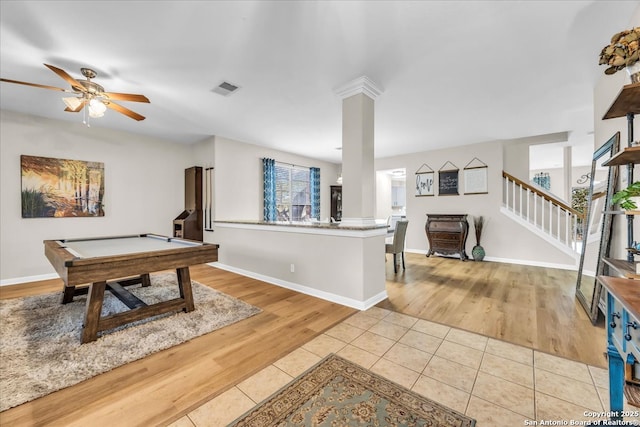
145 280
184 283
68 292
95 297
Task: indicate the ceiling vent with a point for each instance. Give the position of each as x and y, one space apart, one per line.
225 89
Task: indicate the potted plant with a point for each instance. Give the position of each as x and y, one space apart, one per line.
628 198
623 52
478 251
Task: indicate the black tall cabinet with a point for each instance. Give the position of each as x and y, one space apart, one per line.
336 202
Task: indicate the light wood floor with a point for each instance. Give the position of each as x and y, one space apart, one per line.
529 306
162 387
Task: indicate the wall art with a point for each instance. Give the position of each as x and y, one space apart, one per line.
475 177
61 188
448 180
424 181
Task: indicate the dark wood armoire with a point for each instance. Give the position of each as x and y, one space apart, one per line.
188 225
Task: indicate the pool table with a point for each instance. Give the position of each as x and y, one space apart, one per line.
113 263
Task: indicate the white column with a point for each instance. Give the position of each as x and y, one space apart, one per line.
567 169
358 173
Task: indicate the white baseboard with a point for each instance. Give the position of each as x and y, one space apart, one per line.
311 291
327 296
511 261
533 263
18 280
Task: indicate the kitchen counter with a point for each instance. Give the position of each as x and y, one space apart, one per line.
325 228
309 224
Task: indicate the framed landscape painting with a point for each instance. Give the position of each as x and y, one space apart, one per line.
61 188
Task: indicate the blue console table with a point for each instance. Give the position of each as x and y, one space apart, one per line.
623 342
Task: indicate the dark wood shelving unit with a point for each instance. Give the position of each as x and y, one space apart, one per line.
624 157
623 267
627 102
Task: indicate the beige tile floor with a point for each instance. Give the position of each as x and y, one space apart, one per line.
497 383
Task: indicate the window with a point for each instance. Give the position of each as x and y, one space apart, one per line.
293 192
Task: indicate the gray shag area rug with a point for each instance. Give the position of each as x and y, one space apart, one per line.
40 350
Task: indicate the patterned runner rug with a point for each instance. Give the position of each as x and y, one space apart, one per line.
337 392
40 350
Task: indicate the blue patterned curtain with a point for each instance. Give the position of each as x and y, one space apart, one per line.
314 183
269 178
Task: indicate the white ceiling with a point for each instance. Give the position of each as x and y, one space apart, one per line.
452 72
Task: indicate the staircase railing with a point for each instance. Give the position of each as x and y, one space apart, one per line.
542 212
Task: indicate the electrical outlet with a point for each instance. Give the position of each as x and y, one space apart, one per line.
293 268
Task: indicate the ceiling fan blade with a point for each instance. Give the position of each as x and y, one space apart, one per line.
35 85
125 111
73 82
126 97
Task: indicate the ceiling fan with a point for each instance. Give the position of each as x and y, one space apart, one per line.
89 94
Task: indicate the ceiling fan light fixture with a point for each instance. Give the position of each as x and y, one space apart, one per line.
89 94
94 114
96 108
72 102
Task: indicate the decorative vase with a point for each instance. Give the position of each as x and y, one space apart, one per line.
478 253
634 72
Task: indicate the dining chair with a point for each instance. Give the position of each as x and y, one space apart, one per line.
397 246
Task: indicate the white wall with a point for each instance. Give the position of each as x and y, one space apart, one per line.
238 178
330 267
383 195
144 190
328 263
502 239
557 179
516 152
144 186
606 90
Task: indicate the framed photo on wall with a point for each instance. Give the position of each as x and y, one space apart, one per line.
424 181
